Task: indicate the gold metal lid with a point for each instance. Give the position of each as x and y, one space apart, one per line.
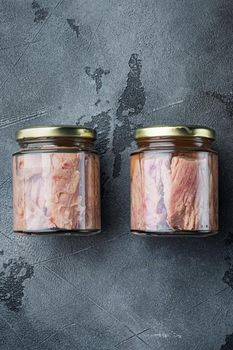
55 131
175 131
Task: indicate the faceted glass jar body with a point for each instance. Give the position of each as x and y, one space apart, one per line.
56 187
174 187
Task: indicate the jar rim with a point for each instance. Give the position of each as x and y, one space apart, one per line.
175 131
57 131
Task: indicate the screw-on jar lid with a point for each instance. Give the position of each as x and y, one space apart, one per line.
57 131
174 131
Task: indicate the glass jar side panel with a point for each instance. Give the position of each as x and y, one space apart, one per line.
92 192
48 192
174 191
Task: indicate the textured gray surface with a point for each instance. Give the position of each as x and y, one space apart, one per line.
114 65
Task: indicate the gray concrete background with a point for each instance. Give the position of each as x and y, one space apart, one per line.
114 65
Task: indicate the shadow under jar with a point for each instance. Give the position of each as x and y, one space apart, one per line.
56 181
174 182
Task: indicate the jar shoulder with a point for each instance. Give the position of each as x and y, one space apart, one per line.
55 150
173 150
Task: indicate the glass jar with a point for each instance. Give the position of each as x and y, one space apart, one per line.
56 181
174 182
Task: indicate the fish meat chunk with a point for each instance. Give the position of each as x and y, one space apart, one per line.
173 192
56 191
